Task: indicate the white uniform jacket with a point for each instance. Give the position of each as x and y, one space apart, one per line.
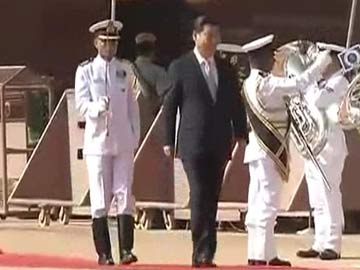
94 80
271 90
328 98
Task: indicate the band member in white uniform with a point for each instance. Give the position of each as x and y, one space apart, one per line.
105 98
266 152
327 205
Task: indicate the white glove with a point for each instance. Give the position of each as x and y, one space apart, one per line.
103 104
323 60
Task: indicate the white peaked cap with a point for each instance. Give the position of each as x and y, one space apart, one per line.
228 47
258 43
108 29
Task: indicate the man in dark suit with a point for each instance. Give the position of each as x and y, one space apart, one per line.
205 90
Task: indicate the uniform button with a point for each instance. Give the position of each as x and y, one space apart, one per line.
123 90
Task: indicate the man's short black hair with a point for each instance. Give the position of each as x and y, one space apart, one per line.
201 21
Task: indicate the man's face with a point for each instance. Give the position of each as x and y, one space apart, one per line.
106 48
207 40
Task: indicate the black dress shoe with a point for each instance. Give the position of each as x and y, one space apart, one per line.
105 260
278 262
256 262
310 253
127 257
329 254
204 263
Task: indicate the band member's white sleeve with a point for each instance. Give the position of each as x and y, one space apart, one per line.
274 87
83 100
332 93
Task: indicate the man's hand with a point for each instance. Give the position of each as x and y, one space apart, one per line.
168 151
104 102
241 142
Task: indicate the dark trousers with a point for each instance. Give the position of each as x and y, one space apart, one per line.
205 179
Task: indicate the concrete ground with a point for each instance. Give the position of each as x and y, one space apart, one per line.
155 246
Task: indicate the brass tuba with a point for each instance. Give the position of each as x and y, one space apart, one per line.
349 110
299 55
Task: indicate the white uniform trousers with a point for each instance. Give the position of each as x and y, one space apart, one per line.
111 177
263 205
327 205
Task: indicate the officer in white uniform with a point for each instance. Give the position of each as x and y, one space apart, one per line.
267 169
327 205
105 98
152 80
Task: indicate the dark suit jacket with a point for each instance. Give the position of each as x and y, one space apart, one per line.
206 127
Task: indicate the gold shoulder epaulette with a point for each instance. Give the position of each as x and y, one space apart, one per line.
87 61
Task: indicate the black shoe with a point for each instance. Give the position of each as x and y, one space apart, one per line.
203 263
278 262
105 260
126 239
310 253
329 254
256 262
127 257
102 241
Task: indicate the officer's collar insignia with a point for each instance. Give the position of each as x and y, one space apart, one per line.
329 89
263 73
321 83
121 74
